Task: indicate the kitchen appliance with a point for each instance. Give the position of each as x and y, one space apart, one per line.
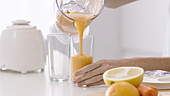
22 47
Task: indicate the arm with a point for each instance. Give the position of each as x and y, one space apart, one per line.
148 63
91 75
117 3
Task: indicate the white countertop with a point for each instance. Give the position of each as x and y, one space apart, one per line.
37 84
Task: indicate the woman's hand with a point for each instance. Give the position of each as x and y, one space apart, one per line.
92 74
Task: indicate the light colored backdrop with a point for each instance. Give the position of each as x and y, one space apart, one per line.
136 29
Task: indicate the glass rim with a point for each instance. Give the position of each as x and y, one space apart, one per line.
56 34
83 35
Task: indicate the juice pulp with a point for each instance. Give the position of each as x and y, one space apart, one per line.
81 21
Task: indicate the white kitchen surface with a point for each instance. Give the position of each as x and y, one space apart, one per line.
37 84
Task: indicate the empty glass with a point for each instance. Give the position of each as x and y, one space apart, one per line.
58 56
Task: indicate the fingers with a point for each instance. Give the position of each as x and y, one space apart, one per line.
88 75
96 83
91 80
93 73
88 68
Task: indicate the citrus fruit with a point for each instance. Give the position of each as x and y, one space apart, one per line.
122 89
133 75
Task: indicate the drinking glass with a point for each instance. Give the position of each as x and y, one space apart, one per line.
78 61
58 56
88 44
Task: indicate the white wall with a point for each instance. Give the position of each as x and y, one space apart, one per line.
143 27
40 12
106 29
136 29
36 11
9 11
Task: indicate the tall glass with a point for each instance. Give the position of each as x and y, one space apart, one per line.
58 56
80 60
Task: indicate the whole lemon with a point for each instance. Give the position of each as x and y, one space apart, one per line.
122 89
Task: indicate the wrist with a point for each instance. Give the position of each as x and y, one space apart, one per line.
125 62
121 62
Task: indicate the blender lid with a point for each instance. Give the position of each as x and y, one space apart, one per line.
21 24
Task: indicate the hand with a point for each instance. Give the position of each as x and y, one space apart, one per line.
92 74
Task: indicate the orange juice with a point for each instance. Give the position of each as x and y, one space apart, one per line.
79 61
81 21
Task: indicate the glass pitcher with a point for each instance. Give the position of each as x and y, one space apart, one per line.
63 25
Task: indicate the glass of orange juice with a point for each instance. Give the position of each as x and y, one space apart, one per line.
80 60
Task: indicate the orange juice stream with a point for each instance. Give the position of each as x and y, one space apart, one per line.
81 21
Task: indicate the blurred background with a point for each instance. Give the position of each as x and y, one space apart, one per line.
139 29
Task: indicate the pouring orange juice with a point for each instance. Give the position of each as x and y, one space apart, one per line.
81 12
78 23
81 21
